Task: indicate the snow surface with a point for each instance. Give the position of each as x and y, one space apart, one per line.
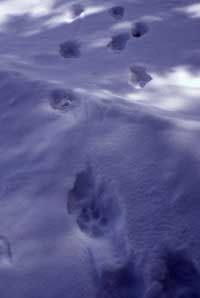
99 125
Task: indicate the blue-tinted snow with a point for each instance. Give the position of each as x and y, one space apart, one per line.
99 167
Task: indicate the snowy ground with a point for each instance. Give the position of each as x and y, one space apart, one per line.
99 126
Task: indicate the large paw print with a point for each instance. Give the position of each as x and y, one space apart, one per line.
93 203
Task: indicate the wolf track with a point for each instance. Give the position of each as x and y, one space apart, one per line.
94 204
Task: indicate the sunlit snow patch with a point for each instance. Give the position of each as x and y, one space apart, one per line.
176 90
192 10
69 14
35 8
